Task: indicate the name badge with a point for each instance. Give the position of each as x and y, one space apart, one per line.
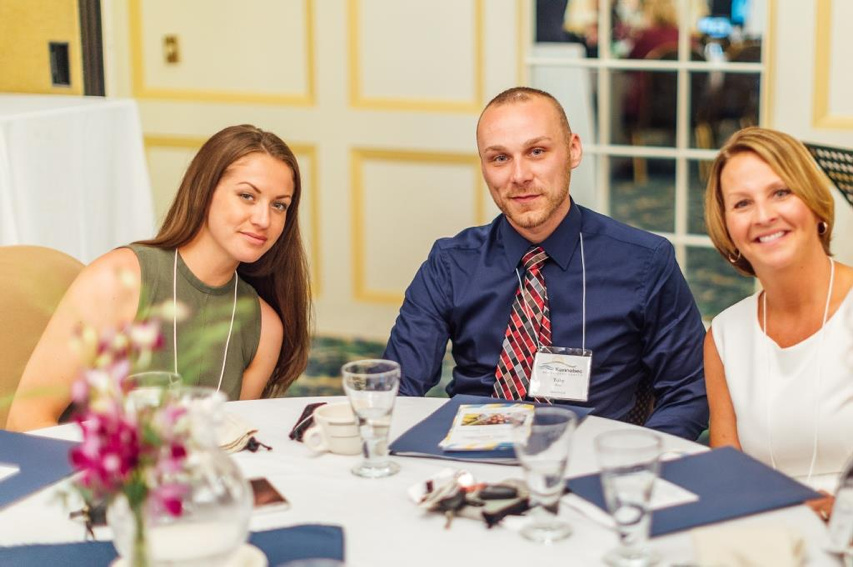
561 373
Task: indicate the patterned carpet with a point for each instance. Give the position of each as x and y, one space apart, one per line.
328 354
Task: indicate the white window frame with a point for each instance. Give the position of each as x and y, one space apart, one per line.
682 152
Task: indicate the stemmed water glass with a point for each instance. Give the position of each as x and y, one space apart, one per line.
146 389
542 442
371 386
629 461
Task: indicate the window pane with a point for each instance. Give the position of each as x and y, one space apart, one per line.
550 21
697 179
714 282
643 109
573 87
568 22
733 104
744 51
731 26
642 192
703 87
584 184
647 31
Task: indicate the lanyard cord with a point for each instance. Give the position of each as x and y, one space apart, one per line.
767 346
175 320
583 306
583 295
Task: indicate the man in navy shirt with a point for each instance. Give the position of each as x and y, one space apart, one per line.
613 289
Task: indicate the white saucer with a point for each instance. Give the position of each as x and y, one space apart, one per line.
247 555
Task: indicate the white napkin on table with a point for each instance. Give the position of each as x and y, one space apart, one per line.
778 545
234 433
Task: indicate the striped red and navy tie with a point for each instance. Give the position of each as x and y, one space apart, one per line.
530 318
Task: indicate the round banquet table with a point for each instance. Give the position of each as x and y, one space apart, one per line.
382 527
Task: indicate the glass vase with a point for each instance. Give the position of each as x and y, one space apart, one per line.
215 503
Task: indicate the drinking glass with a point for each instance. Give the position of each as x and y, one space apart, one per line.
542 442
371 386
629 461
146 389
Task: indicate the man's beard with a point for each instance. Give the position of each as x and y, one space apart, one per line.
536 217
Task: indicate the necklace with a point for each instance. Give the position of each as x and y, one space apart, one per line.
175 320
767 346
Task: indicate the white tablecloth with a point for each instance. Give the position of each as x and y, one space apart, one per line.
72 174
382 527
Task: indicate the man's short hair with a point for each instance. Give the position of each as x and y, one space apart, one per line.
522 94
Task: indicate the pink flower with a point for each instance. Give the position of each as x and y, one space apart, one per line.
80 391
168 417
109 452
145 335
138 451
168 497
119 370
179 452
172 459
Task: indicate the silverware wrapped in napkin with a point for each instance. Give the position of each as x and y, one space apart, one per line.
234 433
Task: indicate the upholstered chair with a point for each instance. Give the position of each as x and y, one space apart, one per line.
32 281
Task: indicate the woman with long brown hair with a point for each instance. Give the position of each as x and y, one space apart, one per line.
230 250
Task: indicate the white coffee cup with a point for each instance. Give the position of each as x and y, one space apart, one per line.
334 430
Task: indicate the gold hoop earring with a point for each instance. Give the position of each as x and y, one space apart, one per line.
734 259
822 227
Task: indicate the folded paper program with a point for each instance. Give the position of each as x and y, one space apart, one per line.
743 546
235 433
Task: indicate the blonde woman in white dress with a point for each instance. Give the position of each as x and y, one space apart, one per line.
778 364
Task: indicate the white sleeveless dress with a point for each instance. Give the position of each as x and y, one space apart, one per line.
781 396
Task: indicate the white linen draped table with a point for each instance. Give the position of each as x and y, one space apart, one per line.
72 174
382 526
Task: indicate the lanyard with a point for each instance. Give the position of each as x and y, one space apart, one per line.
767 347
175 320
583 295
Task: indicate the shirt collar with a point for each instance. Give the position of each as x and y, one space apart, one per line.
560 246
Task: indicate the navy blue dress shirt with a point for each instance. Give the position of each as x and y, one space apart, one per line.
641 319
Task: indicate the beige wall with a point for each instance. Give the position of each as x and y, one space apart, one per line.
379 98
812 88
26 27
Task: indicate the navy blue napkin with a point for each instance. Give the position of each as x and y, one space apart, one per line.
308 541
41 460
729 483
280 546
85 553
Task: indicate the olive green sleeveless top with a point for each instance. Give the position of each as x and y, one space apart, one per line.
203 333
